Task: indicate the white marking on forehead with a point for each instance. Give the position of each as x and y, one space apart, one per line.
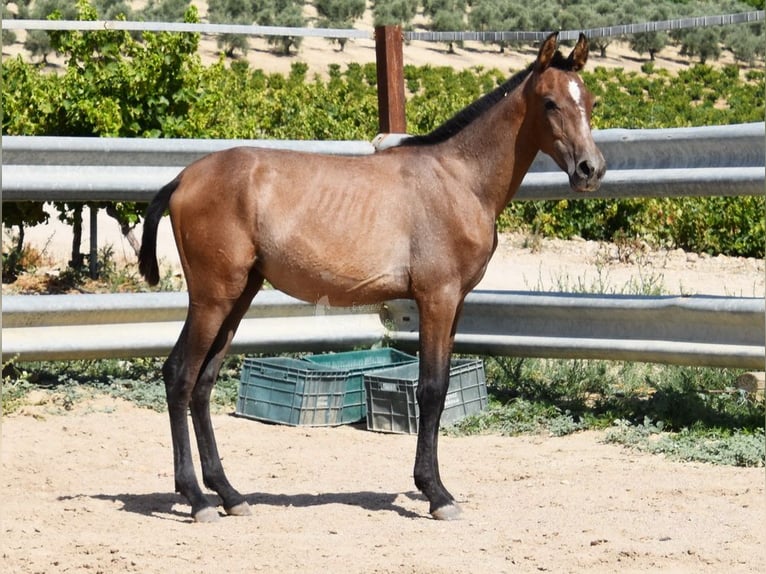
576 93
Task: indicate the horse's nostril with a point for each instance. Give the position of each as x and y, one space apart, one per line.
585 168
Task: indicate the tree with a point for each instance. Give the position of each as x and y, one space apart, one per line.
745 42
288 13
604 13
446 16
500 16
339 14
165 10
704 43
233 12
394 12
649 42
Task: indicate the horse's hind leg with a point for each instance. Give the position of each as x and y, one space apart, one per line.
180 375
189 375
212 470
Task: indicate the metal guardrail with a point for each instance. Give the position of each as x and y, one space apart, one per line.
699 330
704 161
61 327
710 331
721 160
450 36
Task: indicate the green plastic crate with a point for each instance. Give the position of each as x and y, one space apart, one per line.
355 364
291 392
392 405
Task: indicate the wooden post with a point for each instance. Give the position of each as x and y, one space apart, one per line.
93 260
390 66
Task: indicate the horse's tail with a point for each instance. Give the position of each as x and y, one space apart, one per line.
147 256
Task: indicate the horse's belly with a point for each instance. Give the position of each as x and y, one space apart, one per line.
336 287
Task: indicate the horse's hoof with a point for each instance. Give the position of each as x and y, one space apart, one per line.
449 511
207 514
241 509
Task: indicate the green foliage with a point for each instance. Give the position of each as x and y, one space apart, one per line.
135 380
394 12
115 85
339 14
690 412
272 106
718 446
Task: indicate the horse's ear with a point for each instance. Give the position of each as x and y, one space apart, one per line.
546 53
579 54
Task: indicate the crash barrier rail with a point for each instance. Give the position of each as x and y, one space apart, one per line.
715 331
698 330
674 162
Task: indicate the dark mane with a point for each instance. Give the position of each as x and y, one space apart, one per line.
473 110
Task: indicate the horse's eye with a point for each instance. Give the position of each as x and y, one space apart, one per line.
550 105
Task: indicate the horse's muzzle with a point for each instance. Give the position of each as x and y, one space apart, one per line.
588 174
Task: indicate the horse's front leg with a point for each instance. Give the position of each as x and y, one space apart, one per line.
437 324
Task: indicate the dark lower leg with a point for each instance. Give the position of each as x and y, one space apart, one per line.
185 477
427 477
437 329
213 474
175 374
212 470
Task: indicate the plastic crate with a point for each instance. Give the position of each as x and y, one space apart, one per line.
354 364
291 392
392 405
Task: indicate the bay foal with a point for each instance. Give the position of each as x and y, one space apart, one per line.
414 221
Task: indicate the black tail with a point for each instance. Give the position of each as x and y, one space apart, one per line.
147 256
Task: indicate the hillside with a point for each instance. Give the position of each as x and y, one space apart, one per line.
319 53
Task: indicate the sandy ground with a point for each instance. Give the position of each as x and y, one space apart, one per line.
91 491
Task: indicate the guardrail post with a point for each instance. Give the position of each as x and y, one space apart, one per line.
390 65
93 258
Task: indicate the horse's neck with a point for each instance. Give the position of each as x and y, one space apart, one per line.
500 150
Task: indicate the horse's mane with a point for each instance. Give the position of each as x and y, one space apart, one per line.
475 109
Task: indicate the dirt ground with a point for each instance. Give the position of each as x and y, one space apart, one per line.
91 491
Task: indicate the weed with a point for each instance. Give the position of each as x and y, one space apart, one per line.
716 446
689 413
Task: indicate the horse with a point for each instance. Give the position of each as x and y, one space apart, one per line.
415 221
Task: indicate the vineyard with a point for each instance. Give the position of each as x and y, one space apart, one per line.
115 84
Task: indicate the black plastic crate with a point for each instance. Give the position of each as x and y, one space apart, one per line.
392 405
354 364
290 391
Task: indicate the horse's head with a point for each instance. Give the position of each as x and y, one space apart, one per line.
561 105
